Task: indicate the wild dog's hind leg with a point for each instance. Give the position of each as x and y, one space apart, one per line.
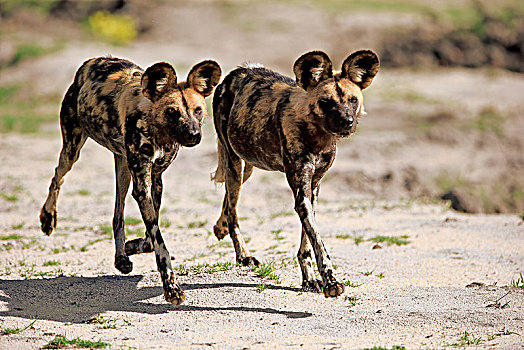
123 178
73 138
234 179
221 228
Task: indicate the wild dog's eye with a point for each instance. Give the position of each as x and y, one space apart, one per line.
353 99
327 104
198 112
172 113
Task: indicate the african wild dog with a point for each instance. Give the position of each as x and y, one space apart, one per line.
269 121
143 118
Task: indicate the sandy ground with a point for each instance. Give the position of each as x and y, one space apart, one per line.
413 295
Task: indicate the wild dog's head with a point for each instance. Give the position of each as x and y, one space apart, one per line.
336 100
179 109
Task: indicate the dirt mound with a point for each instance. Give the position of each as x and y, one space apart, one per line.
490 41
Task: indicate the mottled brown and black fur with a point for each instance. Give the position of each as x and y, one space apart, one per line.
143 117
271 122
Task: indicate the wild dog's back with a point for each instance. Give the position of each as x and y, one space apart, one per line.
247 107
103 83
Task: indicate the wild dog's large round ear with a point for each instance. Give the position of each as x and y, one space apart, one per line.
361 67
204 76
311 68
157 80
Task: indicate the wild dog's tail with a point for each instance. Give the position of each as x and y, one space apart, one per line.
222 104
220 173
221 109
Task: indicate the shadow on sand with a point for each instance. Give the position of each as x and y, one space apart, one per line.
79 299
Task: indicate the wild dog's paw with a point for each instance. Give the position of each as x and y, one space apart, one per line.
47 221
333 289
174 295
312 286
220 229
123 264
248 260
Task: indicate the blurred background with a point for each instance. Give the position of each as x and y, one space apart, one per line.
445 114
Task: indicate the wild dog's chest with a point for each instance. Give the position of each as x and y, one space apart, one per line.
141 146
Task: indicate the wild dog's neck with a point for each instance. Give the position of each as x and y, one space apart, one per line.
319 139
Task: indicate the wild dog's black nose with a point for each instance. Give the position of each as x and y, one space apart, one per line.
347 122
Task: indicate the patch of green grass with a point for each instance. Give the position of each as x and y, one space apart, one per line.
6 92
132 221
390 240
277 234
261 287
348 283
165 223
505 331
105 322
394 347
108 230
11 237
204 268
51 263
8 331
353 300
489 120
90 243
18 226
18 112
367 273
11 6
281 214
518 283
469 339
60 341
266 270
84 192
447 182
137 231
403 6
381 275
355 238
26 51
197 224
9 197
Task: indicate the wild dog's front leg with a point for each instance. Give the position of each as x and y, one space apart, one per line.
144 245
234 177
304 255
142 194
300 182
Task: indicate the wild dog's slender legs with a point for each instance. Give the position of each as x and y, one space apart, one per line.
123 179
300 182
309 281
142 194
73 138
220 229
143 245
234 178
